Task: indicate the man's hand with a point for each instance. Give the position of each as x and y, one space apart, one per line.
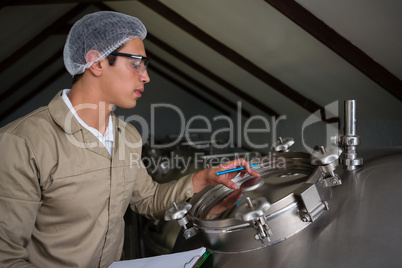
208 176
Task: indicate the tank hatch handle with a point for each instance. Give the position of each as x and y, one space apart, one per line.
313 205
327 161
282 144
179 213
253 211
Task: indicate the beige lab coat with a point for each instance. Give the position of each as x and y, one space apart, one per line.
63 197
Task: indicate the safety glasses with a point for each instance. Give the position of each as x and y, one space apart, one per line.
138 63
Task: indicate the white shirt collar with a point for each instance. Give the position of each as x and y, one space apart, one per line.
107 139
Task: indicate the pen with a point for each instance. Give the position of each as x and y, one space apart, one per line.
238 202
234 169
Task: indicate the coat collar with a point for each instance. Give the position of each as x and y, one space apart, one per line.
66 120
62 115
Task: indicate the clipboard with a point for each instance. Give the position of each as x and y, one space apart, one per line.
201 260
187 259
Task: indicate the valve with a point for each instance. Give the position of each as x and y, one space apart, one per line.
326 160
253 211
179 213
282 145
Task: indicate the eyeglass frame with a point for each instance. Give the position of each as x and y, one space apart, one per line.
145 59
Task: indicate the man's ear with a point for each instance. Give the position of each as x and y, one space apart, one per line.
96 67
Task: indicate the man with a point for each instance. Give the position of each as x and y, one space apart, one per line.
69 175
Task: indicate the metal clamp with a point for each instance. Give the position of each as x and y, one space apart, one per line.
282 145
179 213
253 211
326 159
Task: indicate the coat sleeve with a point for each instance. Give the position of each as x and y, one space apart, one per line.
20 199
151 199
148 197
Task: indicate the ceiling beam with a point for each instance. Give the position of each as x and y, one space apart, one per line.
196 83
175 53
56 56
241 94
197 67
188 90
205 72
14 88
4 3
339 45
32 94
49 2
60 23
232 55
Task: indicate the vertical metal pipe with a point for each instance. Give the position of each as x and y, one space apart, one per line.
350 140
249 203
350 118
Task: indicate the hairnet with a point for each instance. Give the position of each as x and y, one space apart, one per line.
103 31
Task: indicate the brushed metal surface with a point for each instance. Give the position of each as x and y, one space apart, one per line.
363 227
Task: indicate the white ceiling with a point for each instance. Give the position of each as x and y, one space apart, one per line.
254 30
372 25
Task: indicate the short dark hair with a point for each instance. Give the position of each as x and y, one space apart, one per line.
110 58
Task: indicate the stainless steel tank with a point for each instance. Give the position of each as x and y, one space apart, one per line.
268 211
306 213
360 227
159 236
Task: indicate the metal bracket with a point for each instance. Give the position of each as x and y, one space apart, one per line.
179 213
313 205
326 160
254 211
